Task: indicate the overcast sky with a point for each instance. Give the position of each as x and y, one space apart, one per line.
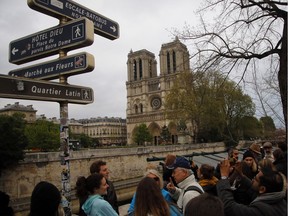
143 25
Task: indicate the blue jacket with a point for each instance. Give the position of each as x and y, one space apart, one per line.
95 205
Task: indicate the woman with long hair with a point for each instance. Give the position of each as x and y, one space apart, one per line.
90 191
150 201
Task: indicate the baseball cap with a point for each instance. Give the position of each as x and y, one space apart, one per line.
180 162
267 145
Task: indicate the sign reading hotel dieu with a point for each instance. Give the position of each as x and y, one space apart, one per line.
74 34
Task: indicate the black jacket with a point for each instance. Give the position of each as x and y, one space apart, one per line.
264 205
111 196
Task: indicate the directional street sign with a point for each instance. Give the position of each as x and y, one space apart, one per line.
29 89
68 66
74 34
70 9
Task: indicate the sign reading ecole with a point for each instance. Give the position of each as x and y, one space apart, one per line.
74 34
58 8
68 66
29 89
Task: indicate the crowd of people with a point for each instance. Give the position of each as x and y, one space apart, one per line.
254 185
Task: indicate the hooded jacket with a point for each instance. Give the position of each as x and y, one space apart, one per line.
95 205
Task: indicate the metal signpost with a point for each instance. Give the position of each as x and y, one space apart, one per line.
75 34
59 8
68 66
76 29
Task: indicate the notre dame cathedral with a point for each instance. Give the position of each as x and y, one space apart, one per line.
146 89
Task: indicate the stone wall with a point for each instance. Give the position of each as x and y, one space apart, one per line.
124 164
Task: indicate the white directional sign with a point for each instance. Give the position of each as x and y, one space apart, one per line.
58 8
30 89
68 66
74 34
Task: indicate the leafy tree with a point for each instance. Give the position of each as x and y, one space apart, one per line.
243 36
214 105
141 134
12 140
85 140
43 135
268 126
250 128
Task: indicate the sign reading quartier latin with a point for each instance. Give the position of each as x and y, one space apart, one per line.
23 88
58 8
74 34
68 66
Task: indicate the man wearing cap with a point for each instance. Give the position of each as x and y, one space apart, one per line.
268 151
256 150
184 177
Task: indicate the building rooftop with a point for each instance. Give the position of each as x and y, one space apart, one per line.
18 107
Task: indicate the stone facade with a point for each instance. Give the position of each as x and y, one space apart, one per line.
28 111
146 90
109 131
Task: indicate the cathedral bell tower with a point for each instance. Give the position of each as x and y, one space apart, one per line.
146 90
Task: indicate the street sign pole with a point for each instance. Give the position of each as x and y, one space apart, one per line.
64 146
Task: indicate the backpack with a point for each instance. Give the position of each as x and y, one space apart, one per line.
174 209
195 188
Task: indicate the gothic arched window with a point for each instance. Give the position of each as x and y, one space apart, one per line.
136 109
135 69
150 68
140 69
168 62
174 61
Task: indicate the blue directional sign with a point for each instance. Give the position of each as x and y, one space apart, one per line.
30 89
74 34
66 8
68 66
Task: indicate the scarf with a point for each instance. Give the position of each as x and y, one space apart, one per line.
205 182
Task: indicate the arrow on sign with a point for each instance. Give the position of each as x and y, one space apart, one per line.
14 50
113 28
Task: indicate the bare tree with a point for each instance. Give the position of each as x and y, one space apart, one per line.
267 94
244 33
